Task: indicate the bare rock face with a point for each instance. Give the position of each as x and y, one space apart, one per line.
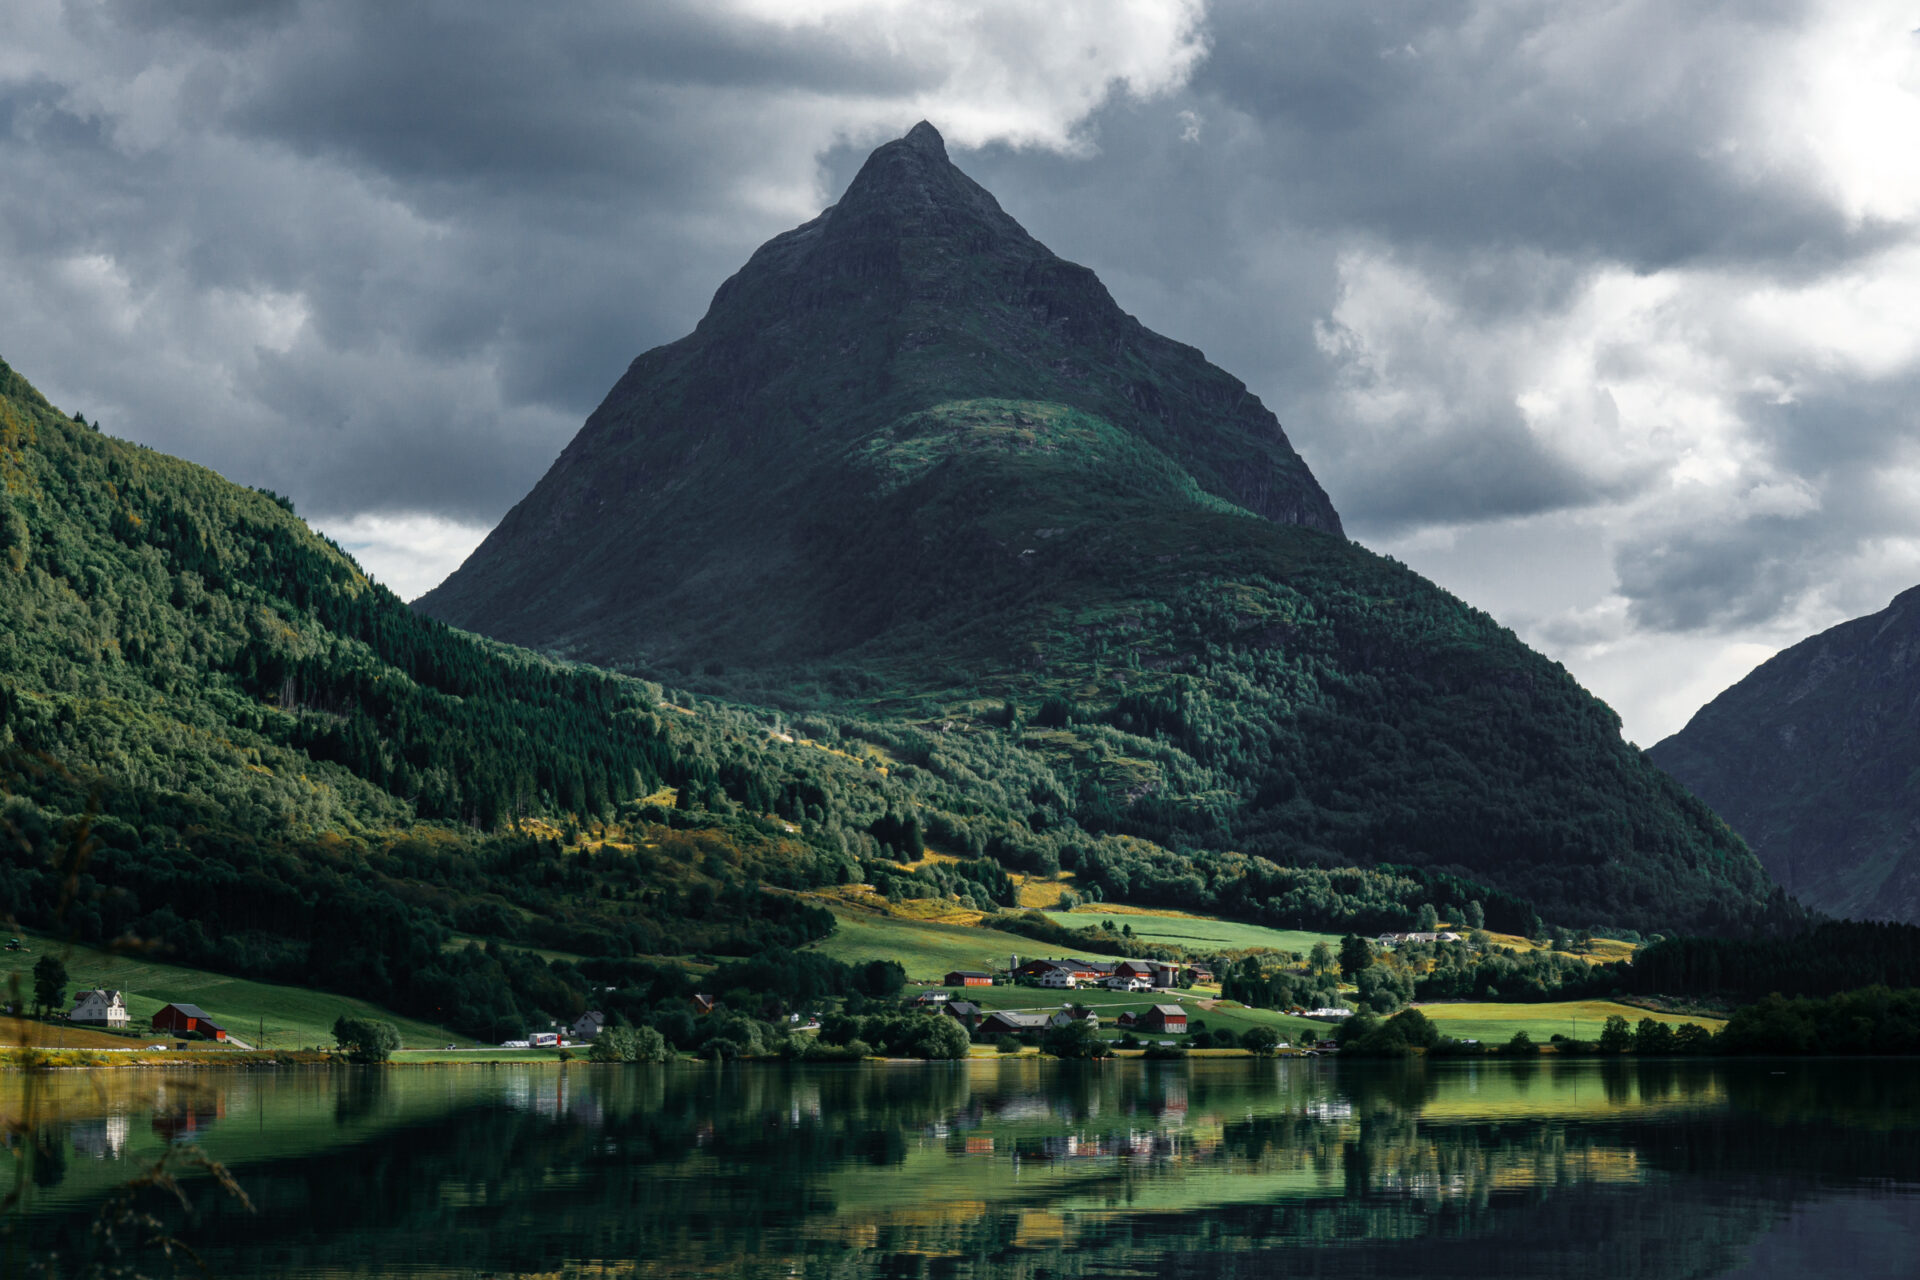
715 464
1815 759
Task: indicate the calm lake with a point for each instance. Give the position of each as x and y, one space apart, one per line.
1223 1167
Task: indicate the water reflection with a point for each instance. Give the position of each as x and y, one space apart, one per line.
1014 1168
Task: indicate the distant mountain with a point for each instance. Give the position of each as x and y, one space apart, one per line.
913 466
1815 759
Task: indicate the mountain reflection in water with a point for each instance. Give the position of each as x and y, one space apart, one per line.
1021 1168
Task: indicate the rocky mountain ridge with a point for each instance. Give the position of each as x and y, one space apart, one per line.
1813 758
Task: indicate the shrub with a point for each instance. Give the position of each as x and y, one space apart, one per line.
1075 1040
1653 1037
629 1044
366 1039
1616 1037
1521 1045
1691 1037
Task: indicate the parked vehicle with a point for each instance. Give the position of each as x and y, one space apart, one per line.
544 1040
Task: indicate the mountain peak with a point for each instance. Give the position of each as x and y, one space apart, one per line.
910 188
914 319
924 137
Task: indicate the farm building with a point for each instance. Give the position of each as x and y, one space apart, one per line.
100 1009
184 1019
965 1012
1079 970
1007 1023
967 978
1168 1018
588 1024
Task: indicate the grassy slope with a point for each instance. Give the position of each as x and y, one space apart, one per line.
1572 1018
1197 933
927 949
293 1016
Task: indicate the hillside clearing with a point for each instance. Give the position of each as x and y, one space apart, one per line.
1575 1019
1196 933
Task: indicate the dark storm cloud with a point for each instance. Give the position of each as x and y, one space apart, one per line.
387 257
1520 158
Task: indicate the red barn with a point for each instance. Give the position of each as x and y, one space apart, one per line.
182 1018
1170 1018
967 978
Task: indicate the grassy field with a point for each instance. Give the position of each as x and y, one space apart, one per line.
292 1017
1576 1019
1197 933
927 949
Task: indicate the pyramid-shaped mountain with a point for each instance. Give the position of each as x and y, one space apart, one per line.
1811 758
681 521
914 467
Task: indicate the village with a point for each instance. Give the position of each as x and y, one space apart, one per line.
1067 1006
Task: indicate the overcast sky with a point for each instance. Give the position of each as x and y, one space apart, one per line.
1606 316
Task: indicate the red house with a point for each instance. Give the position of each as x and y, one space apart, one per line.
1170 1018
967 978
179 1019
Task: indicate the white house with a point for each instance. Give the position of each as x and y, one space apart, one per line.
1121 982
101 1008
1060 978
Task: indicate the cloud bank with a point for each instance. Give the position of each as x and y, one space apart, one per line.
1605 316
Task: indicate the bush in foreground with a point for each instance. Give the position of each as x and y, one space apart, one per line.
366 1039
629 1044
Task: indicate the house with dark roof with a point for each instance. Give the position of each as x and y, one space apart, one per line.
1005 1022
965 1012
967 978
183 1019
100 1008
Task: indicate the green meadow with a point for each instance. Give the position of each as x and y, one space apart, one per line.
926 950
1195 933
1575 1019
289 1017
